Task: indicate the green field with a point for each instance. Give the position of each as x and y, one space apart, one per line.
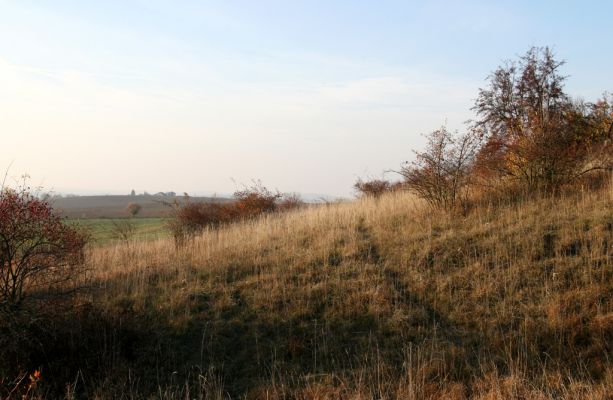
102 230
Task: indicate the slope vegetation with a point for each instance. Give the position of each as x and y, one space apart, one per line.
373 299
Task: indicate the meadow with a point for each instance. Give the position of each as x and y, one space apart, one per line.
102 230
379 298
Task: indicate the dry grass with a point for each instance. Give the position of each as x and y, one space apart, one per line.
380 298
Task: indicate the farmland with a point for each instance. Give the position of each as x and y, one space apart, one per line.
97 214
102 230
107 206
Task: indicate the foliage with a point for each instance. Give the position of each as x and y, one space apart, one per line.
191 218
373 187
134 209
22 386
290 201
441 173
39 254
534 133
254 200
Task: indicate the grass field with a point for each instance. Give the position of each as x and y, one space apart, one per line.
102 229
374 299
107 206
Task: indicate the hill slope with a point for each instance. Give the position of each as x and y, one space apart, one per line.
373 299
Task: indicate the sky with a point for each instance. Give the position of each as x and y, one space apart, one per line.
307 96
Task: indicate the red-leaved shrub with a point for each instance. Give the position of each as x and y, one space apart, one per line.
39 254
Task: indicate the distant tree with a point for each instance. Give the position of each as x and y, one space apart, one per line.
132 193
134 209
441 173
39 254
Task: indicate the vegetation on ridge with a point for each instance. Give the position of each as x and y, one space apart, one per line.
378 298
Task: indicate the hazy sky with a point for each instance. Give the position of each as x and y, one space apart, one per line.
106 96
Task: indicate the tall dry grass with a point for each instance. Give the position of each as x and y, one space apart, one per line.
378 298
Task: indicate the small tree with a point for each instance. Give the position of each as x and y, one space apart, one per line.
134 209
39 254
441 173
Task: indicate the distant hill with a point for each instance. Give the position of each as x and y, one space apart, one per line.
114 206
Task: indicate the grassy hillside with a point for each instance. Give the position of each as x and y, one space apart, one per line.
373 299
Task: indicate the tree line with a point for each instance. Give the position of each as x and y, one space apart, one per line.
528 135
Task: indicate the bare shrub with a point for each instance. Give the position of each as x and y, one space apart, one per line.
290 201
123 229
254 200
191 218
373 187
441 173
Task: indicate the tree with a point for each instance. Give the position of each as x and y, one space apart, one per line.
132 193
534 133
441 173
134 209
39 254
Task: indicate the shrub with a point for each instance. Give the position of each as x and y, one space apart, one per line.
134 209
191 218
123 229
441 173
253 201
288 202
372 188
250 202
39 255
